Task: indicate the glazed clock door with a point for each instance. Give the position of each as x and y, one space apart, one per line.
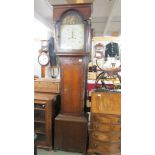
73 88
72 32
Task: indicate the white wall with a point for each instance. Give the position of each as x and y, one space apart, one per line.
41 32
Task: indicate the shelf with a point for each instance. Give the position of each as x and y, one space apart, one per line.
40 132
38 121
39 109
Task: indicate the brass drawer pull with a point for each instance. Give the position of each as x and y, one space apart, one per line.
94 135
95 145
119 121
96 126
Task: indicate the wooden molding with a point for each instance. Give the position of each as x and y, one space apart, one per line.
79 1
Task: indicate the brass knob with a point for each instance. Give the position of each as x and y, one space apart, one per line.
96 126
94 135
119 120
95 145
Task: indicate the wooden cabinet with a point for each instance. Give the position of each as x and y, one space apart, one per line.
43 119
105 124
46 108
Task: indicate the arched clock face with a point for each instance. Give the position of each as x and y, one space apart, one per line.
72 33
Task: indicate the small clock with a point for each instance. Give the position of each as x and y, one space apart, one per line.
99 48
43 59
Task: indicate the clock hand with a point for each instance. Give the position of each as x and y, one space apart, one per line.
72 34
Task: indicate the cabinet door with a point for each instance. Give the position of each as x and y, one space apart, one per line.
42 122
72 84
106 102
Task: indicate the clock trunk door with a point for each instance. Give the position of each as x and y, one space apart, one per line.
73 85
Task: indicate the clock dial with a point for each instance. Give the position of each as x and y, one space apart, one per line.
43 59
72 36
72 32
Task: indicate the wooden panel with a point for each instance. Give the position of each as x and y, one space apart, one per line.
105 137
105 147
70 133
43 71
73 85
72 88
49 86
105 127
106 102
80 1
44 97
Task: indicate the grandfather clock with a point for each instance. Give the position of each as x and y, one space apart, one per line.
72 33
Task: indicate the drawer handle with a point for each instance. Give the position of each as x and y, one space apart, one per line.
95 145
119 121
113 128
94 135
96 126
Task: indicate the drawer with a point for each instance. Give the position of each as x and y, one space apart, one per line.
105 127
106 119
47 86
105 147
105 136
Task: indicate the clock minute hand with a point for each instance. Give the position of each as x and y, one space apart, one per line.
72 34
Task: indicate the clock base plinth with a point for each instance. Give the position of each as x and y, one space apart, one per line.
70 133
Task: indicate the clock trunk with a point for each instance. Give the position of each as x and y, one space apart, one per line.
73 88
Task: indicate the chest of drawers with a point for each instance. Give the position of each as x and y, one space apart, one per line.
105 124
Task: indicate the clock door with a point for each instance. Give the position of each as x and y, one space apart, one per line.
73 89
71 32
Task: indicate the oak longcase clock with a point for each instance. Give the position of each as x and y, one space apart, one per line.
72 35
